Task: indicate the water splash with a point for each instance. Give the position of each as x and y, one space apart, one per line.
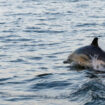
97 64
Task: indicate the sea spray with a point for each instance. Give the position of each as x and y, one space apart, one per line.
97 64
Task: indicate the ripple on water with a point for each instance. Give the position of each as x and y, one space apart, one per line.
19 39
86 25
35 58
44 31
2 23
43 68
17 60
4 79
48 85
93 91
51 56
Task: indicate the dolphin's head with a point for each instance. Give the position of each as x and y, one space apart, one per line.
83 56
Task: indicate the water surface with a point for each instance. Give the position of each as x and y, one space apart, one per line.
36 36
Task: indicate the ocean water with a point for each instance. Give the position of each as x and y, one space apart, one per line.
36 36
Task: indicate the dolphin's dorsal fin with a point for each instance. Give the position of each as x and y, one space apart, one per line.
95 42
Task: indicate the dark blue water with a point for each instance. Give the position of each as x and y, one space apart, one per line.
36 36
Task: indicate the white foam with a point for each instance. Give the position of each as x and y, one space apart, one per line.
98 64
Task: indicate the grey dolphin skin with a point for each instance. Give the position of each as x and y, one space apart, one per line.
83 56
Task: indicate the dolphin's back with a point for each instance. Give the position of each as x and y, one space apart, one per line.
91 51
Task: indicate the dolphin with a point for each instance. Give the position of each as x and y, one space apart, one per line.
84 56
